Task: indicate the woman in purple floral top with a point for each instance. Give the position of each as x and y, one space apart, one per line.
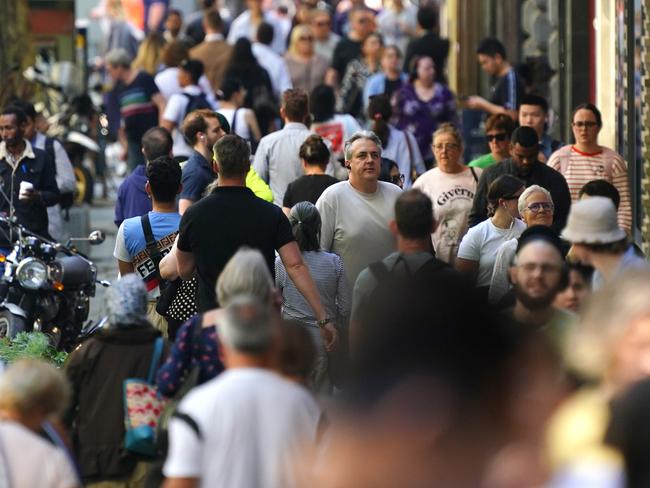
197 339
421 105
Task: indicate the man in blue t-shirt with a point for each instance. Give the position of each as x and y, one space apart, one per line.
163 184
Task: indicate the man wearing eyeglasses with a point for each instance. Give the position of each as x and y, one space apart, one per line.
523 163
537 275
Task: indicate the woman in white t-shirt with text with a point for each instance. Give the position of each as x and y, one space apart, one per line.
478 249
451 186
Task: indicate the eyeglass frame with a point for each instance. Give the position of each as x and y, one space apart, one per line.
545 206
585 124
400 178
448 146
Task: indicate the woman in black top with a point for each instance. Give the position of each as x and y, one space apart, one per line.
259 91
314 156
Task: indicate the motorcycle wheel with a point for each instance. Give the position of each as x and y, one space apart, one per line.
85 184
10 324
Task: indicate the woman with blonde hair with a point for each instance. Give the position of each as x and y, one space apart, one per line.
149 57
306 68
451 186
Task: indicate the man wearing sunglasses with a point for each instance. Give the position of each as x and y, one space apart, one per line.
523 163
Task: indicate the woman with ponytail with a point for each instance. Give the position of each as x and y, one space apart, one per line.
327 271
478 249
397 145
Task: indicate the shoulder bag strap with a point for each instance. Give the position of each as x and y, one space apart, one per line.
379 271
413 173
191 423
471 168
155 359
152 247
233 126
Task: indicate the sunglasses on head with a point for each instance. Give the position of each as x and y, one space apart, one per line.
497 137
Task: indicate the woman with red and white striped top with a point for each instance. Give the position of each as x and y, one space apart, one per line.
585 161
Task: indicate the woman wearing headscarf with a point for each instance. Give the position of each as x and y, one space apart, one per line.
97 370
329 275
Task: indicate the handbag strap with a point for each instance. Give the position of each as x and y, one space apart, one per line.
233 126
412 170
155 359
151 246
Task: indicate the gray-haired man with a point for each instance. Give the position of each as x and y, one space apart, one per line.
356 213
245 427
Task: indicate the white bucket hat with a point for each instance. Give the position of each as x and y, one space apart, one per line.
593 220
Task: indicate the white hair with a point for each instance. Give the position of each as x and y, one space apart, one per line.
362 134
246 325
521 203
245 273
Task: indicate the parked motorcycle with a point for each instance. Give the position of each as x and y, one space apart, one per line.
75 118
46 286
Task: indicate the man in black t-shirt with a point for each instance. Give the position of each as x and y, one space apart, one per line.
215 227
509 87
362 24
314 156
140 103
429 43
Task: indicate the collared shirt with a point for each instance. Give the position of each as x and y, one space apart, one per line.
275 66
548 145
213 37
277 161
10 159
132 199
629 261
197 175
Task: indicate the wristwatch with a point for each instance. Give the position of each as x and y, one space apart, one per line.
324 322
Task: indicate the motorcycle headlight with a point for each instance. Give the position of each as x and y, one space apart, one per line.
31 274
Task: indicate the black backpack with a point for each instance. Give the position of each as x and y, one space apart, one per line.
195 102
388 281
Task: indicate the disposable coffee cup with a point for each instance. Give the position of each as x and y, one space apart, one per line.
25 188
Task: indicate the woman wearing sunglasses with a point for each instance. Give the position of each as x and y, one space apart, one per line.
535 208
586 160
477 251
498 129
